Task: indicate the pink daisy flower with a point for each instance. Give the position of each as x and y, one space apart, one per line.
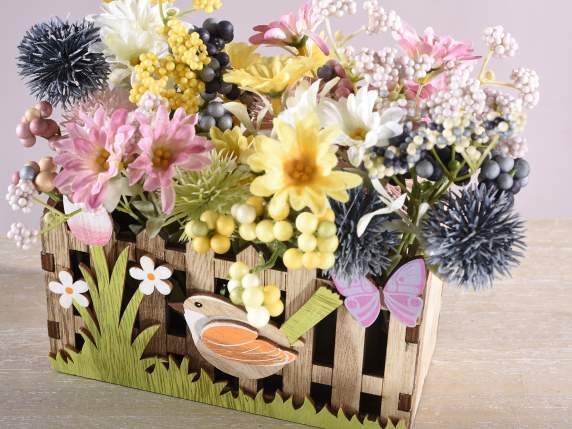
291 30
165 145
92 155
443 49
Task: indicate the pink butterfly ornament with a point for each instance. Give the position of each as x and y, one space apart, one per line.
402 295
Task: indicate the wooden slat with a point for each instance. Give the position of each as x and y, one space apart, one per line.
427 337
372 385
56 243
153 310
175 259
297 380
221 268
322 375
399 371
250 257
348 362
277 278
176 345
200 276
122 245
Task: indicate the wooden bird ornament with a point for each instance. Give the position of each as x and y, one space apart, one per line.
223 336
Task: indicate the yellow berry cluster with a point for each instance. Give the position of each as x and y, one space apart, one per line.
261 302
211 232
317 242
187 48
156 75
315 236
209 6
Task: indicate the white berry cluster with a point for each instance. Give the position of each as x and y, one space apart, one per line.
23 236
380 21
149 103
515 147
527 82
416 68
501 43
20 196
505 104
464 95
380 69
337 8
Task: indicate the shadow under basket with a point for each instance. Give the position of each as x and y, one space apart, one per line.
345 376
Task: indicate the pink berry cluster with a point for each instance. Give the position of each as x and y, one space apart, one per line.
36 123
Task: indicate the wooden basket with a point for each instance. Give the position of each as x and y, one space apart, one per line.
377 371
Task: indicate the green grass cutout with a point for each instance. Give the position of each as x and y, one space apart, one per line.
110 355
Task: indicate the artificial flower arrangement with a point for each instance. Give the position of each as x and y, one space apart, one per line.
327 157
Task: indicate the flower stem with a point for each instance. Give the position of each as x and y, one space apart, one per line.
162 12
485 64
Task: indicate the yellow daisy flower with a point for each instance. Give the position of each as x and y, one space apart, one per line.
299 167
233 142
267 75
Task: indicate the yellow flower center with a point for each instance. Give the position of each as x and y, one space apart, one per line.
69 291
101 163
300 171
359 134
151 276
162 158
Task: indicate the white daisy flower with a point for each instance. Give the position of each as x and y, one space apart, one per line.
152 278
69 290
129 28
362 126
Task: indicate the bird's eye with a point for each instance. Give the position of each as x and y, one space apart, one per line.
198 304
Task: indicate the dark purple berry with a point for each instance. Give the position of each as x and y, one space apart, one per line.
214 64
234 93
207 96
223 59
204 35
219 43
225 88
211 49
211 26
225 30
213 86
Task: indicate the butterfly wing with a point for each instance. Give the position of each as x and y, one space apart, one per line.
362 300
239 343
403 289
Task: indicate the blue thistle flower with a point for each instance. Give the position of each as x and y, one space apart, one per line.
369 254
56 60
473 236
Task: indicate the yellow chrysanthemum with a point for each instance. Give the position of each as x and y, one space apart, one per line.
299 167
268 75
233 142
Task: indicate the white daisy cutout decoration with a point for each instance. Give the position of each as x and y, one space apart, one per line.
69 290
152 278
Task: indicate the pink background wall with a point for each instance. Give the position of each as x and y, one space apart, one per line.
542 29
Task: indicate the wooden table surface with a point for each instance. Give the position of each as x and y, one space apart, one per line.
503 358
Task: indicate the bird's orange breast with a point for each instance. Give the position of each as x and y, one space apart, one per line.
240 343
